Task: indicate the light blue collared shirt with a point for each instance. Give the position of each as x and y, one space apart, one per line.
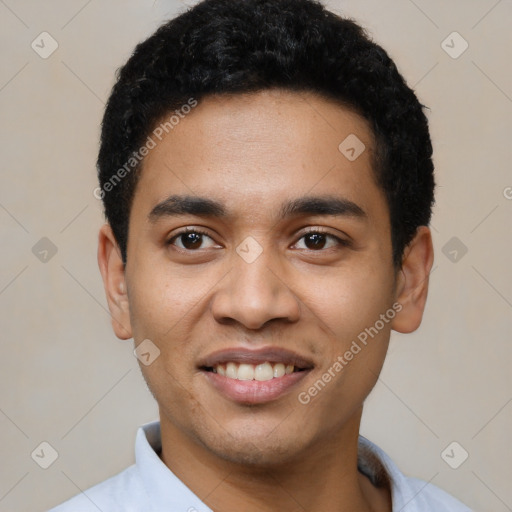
150 486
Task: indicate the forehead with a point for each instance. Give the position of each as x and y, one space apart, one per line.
250 152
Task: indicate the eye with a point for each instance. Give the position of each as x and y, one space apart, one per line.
190 239
317 239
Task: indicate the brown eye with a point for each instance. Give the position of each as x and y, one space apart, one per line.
315 240
190 240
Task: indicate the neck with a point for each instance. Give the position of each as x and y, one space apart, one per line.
322 477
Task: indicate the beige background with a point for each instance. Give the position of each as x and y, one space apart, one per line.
66 379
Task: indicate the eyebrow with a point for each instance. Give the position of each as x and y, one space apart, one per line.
176 205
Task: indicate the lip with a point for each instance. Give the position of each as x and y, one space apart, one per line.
253 392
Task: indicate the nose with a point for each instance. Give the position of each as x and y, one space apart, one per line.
253 294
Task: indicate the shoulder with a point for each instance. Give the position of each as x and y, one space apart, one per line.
427 497
120 493
408 494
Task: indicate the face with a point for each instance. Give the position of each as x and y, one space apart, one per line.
271 272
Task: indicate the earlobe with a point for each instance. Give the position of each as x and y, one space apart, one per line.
113 274
412 281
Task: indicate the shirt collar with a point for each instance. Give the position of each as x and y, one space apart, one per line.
380 469
165 489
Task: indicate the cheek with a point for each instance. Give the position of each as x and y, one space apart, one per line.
159 299
166 308
350 301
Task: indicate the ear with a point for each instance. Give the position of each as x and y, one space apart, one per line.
412 281
113 274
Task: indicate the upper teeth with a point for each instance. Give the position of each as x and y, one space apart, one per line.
243 371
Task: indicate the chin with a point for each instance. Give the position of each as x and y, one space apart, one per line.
251 455
252 447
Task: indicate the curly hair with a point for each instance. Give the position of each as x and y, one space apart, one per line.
241 46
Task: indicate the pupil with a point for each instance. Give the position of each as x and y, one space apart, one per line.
318 241
191 240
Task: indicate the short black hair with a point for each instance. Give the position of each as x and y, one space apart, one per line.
232 47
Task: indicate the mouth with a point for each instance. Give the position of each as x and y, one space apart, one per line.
254 377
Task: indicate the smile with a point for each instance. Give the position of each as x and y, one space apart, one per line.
253 377
260 372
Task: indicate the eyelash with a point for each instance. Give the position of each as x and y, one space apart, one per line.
315 231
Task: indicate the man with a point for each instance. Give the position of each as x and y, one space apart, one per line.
267 180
